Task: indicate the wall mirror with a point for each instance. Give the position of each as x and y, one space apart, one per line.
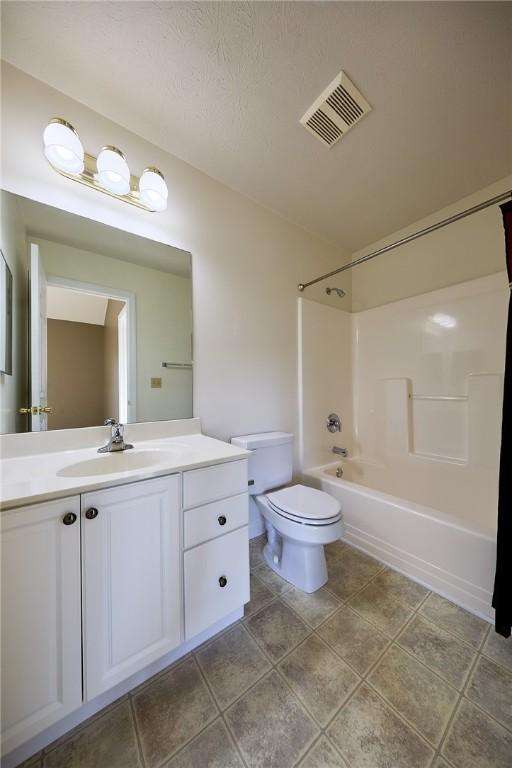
101 322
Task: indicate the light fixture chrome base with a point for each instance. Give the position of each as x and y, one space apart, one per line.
88 177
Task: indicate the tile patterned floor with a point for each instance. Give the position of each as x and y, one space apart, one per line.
372 671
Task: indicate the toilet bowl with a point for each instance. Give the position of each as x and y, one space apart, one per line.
299 521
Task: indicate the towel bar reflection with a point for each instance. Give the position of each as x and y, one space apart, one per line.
179 366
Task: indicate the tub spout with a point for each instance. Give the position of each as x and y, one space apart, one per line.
340 451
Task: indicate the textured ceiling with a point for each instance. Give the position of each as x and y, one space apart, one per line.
223 85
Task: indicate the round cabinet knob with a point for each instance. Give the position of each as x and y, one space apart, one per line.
222 520
69 518
223 581
91 513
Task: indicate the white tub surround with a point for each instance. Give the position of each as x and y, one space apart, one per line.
121 572
435 548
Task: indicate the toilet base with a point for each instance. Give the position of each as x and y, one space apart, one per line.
303 566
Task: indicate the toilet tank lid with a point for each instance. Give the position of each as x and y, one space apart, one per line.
262 440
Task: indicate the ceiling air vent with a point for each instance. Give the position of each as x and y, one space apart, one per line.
335 111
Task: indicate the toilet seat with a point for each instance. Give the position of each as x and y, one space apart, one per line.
305 505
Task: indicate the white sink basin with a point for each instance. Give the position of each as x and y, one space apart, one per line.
122 461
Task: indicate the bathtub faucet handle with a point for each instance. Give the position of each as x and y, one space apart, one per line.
333 423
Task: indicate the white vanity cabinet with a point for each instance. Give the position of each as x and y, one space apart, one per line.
41 618
99 586
216 541
131 575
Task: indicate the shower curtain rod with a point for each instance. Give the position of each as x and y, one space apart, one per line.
410 238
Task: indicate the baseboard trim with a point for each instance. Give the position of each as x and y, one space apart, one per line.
463 593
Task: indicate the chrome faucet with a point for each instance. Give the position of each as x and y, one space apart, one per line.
340 451
116 442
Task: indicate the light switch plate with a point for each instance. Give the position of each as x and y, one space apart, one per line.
156 383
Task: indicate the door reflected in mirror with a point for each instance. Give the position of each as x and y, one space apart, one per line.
105 327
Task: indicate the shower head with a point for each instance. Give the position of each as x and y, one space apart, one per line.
341 293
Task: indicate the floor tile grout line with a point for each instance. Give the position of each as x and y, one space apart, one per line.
455 637
447 730
363 677
310 749
246 690
68 735
244 618
396 601
299 699
335 747
136 731
262 648
498 663
486 713
458 637
186 743
296 613
234 741
428 668
275 668
306 712
298 695
458 702
365 680
233 703
408 722
372 665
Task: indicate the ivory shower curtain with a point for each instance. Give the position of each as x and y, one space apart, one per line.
502 597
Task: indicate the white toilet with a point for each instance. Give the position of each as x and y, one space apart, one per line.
299 520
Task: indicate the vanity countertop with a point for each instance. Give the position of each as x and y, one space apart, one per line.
45 476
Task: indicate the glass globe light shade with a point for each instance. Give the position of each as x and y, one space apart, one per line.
113 172
153 189
62 146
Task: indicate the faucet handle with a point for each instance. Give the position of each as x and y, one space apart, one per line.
110 422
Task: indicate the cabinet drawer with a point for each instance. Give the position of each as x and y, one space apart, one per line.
215 519
205 569
211 483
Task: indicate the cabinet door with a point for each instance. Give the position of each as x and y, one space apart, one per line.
131 579
216 580
41 623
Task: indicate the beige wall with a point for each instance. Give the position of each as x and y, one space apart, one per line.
247 261
75 374
467 249
13 388
111 356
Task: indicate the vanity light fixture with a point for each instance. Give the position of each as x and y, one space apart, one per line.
153 189
62 146
108 172
113 172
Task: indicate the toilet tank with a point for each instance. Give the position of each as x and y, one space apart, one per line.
271 461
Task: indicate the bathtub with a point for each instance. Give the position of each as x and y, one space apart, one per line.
445 553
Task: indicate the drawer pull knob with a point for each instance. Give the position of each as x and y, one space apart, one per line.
69 518
223 581
91 513
222 520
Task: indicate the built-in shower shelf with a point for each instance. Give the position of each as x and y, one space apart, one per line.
448 398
